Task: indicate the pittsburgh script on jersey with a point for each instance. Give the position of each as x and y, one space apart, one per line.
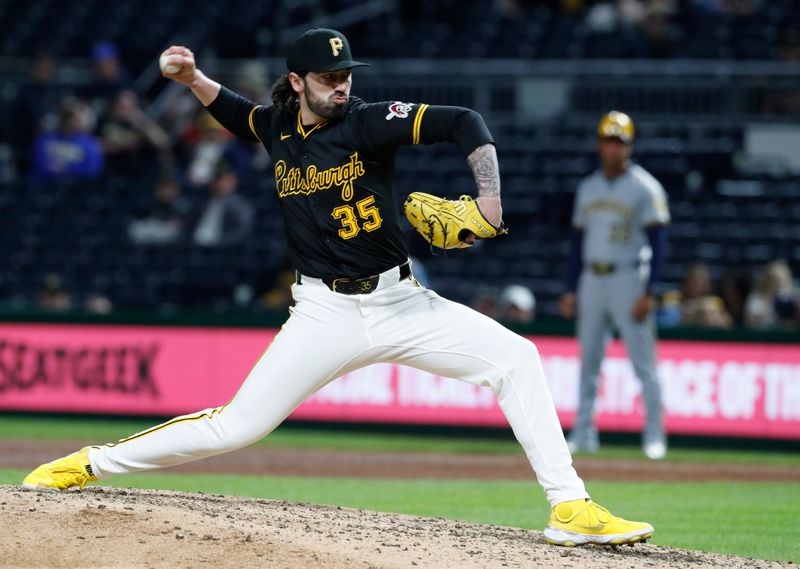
291 181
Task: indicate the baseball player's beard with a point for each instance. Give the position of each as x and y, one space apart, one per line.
323 108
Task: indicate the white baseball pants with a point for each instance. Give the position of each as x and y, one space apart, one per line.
329 334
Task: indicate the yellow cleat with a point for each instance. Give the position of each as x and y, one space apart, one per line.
579 522
72 471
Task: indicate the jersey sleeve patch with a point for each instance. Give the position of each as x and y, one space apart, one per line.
399 109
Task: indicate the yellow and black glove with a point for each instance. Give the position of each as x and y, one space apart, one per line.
447 223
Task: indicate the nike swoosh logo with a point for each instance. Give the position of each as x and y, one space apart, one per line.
285 136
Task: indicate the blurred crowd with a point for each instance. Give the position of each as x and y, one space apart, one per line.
193 168
101 132
767 299
658 29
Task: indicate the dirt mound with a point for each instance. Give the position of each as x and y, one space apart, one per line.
112 527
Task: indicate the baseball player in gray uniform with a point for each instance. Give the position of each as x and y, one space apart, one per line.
617 252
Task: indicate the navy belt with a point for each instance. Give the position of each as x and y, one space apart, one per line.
609 268
364 285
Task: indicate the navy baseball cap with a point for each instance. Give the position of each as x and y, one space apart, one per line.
321 49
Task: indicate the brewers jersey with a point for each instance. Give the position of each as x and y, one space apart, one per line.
613 215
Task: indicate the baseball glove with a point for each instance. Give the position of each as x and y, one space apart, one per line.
447 223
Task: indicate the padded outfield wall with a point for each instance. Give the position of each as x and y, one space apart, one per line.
716 388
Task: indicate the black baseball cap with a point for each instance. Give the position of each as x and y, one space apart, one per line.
321 49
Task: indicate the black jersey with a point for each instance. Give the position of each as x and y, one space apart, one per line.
334 180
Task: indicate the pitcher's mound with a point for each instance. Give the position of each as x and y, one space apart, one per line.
113 527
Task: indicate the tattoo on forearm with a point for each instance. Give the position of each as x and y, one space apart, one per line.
483 161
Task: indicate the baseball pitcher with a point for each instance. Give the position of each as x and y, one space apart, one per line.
356 301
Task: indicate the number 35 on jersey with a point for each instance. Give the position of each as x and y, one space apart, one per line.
364 216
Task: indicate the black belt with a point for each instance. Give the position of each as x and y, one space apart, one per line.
364 285
608 268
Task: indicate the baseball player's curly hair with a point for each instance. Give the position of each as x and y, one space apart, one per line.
284 97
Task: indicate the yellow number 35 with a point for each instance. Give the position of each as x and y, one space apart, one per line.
367 212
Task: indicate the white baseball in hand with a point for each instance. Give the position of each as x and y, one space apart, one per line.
166 65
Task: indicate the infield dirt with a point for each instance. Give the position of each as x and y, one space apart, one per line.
112 527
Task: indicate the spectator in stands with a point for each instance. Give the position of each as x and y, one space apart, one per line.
71 152
247 158
182 116
227 218
668 314
734 290
610 32
775 300
206 146
110 76
602 18
97 303
164 221
179 112
699 306
132 142
485 301
631 12
661 35
252 81
34 109
517 304
53 297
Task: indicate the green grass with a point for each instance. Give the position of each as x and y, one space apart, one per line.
112 429
746 519
98 430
